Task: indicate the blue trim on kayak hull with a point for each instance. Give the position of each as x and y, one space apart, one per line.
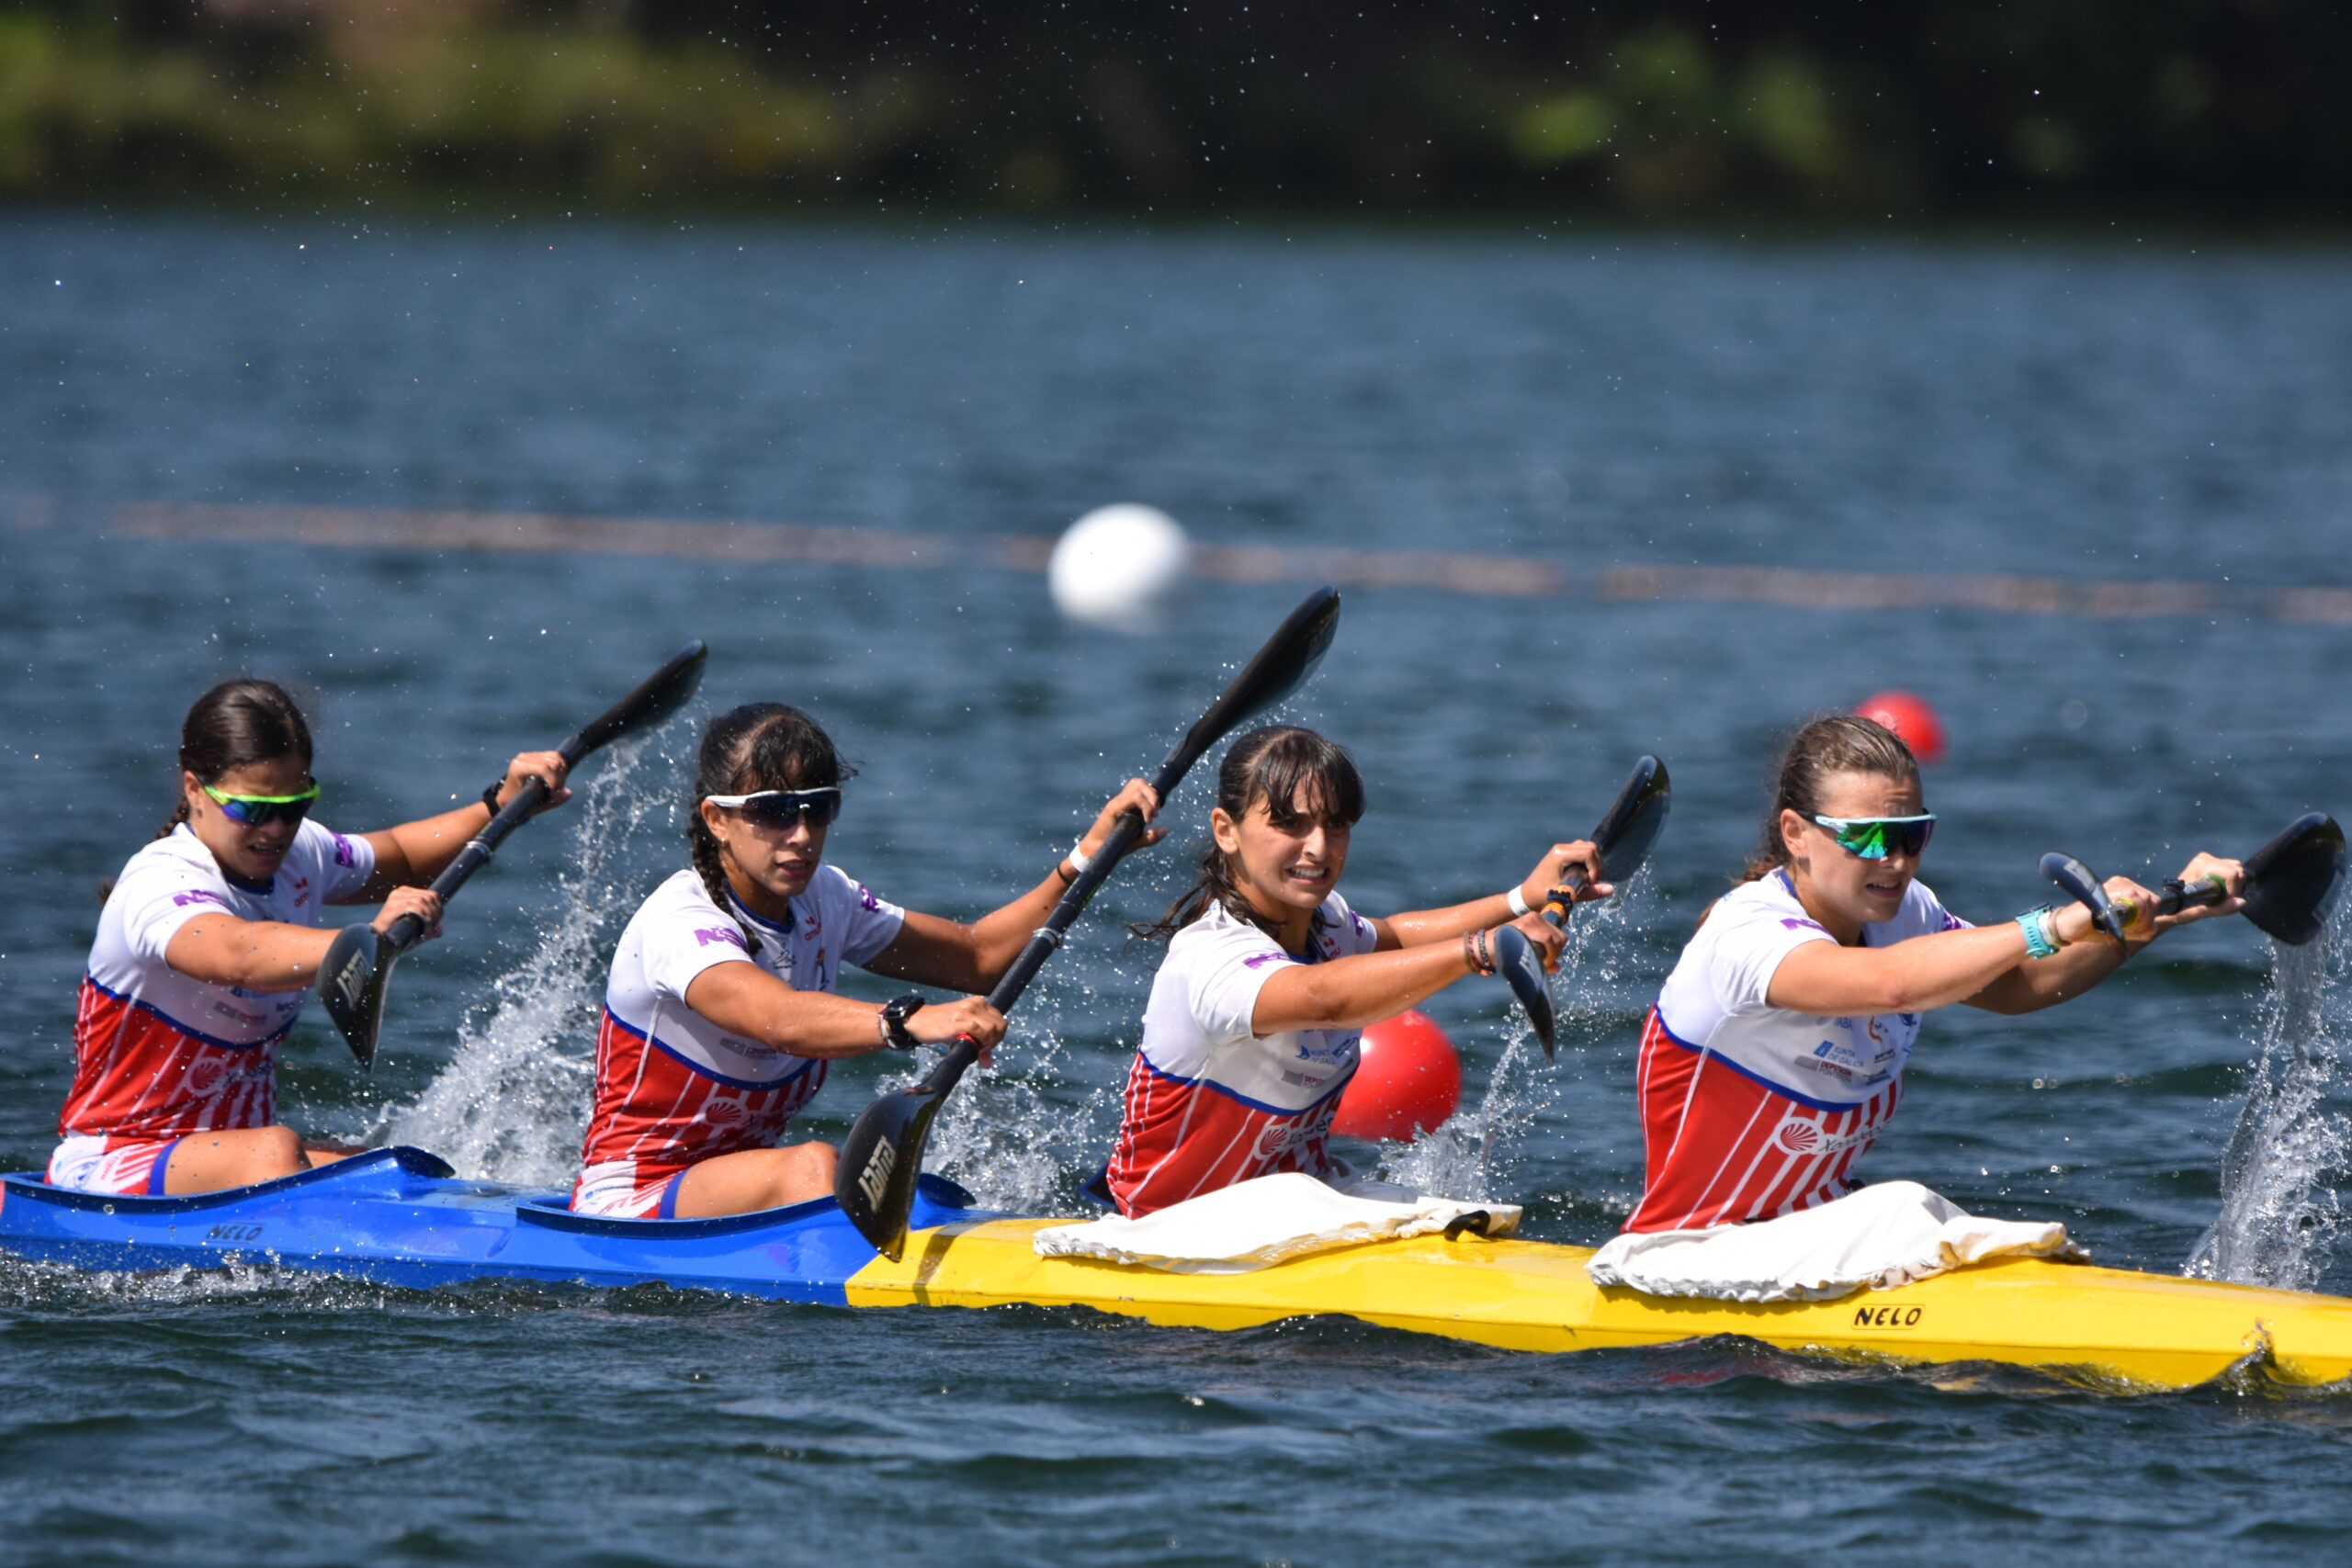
397 1216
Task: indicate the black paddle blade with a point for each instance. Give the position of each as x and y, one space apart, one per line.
1280 667
352 986
2075 879
656 697
1516 962
1632 826
2294 882
882 1156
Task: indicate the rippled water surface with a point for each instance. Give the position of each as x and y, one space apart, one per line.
2095 411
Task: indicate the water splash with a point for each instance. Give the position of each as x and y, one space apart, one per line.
1025 1134
1476 1154
2280 1212
511 1104
1009 1139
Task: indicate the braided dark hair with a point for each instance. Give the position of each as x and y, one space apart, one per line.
746 749
1840 743
235 725
1272 764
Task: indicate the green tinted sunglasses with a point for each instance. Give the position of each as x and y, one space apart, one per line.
1875 838
257 810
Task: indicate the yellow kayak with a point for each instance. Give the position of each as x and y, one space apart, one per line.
2113 1326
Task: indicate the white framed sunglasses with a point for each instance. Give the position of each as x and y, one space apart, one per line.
782 807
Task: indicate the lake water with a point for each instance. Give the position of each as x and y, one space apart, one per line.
2096 409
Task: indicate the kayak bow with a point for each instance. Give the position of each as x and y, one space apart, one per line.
397 1215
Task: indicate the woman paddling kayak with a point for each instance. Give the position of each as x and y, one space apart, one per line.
1253 1024
208 944
1774 1055
719 1017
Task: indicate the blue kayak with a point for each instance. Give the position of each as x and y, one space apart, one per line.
402 1216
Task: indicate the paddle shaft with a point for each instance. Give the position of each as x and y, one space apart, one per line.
658 695
881 1158
2177 896
406 932
963 1050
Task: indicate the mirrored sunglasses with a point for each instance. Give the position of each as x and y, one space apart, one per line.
1875 838
258 810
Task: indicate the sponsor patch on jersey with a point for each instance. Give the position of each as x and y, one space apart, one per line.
1803 1136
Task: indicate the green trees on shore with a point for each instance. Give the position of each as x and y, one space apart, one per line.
1678 107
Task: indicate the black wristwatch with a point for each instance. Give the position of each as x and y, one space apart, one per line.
895 1013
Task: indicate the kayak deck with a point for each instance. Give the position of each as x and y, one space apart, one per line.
396 1215
2145 1330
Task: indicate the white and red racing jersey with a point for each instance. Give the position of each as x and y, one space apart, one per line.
157 1054
673 1088
1750 1111
1209 1103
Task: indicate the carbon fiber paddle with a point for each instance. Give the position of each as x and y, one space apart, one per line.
1626 832
352 976
883 1154
2292 885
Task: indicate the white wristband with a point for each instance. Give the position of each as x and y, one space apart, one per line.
1078 857
1519 901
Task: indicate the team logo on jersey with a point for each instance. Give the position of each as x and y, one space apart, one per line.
1799 1135
208 1078
1278 1136
726 1114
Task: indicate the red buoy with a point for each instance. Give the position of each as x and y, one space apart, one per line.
1911 718
1410 1080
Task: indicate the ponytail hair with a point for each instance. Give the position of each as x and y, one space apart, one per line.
1273 765
746 749
1841 743
235 725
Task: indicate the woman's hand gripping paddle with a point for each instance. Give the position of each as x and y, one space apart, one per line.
2292 885
352 976
1624 837
883 1154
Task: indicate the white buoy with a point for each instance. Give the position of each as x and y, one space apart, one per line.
1121 566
